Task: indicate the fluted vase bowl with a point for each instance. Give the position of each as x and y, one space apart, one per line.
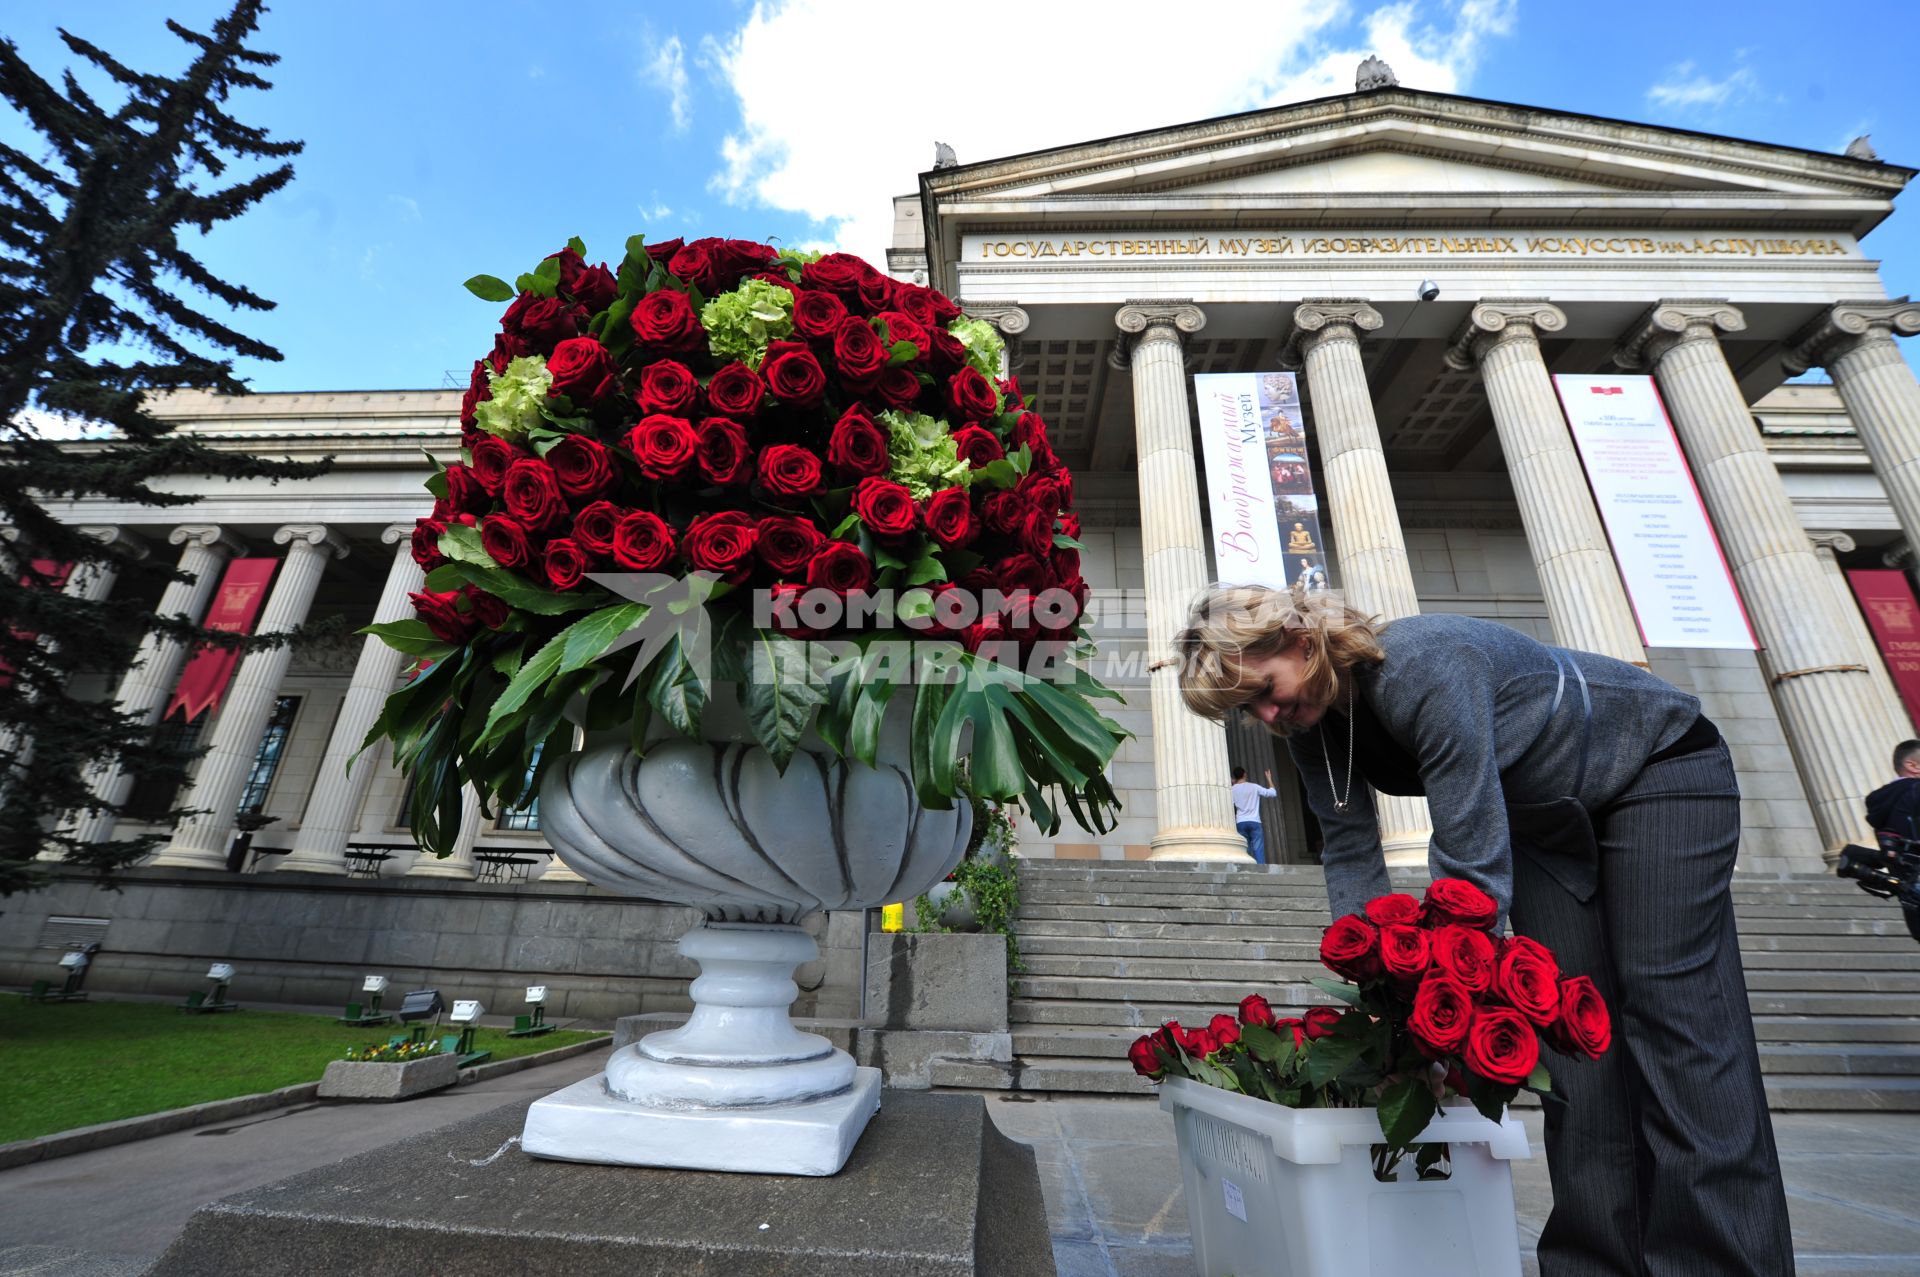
712 823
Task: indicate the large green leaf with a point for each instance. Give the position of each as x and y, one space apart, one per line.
1262 1043
995 765
676 690
489 288
590 636
462 544
413 637
531 678
1347 993
1405 1109
780 697
1329 1057
869 711
930 701
514 590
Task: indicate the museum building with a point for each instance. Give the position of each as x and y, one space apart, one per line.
1425 263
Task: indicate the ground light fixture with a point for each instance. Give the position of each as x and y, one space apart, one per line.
202 1001
529 1026
466 1014
374 987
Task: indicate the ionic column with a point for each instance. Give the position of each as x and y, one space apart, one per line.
204 550
333 810
1854 343
1585 600
1826 546
459 862
1194 811
1827 700
1375 574
200 841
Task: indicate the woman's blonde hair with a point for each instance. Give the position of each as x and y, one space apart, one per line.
1233 625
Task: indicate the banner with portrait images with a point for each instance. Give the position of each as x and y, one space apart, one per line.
1266 515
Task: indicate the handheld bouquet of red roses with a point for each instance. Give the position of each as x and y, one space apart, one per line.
1438 1006
784 458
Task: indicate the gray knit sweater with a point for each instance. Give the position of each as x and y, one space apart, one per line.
1469 700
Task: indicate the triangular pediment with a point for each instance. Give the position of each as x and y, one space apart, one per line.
1387 168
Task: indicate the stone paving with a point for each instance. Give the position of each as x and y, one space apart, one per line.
1111 1176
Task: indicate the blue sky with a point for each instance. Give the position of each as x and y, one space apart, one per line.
450 137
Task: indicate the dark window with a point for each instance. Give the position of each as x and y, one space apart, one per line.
153 793
527 817
266 761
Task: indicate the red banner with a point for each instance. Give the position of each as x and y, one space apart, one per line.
46 574
238 600
1894 617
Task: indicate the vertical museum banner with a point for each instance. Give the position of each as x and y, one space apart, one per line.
1266 518
1887 601
235 605
1669 558
48 575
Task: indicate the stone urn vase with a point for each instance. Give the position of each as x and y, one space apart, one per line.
714 824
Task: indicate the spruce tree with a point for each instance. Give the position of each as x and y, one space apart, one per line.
101 304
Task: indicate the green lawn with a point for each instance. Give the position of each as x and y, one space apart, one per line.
74 1064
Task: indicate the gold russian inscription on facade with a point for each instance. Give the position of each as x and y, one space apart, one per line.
1276 245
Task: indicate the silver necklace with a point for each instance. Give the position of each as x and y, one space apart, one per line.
1339 799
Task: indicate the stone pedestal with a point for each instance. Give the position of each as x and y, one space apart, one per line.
937 982
933 1190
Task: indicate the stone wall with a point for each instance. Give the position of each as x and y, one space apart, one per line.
311 942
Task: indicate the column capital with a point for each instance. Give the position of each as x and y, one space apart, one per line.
116 538
395 533
1670 321
1832 541
1847 325
1498 319
1897 554
1318 319
1169 321
207 536
317 535
1010 319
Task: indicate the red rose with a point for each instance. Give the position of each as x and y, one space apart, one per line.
488 609
837 273
1065 561
594 526
945 309
465 493
532 495
988 632
1225 1029
1010 391
915 302
1321 1021
735 391
507 348
566 563
857 448
443 615
662 445
788 470
541 323
1029 431
1293 1026
1404 953
426 543
1398 909
479 390
693 264
1501 1046
817 314
874 290
898 387
1350 947
1529 979
885 507
1202 1042
716 265
1070 526
1004 511
779 279
1255 1009
1021 572
793 374
665 320
504 540
1036 532
592 286
1145 1058
902 328
971 395
977 446
1465 954
857 352
663 251
583 370
667 387
948 353
583 467
1442 1012
491 457
949 517
1584 1027
1042 490
787 543
642 541
840 566
725 456
721 543
1457 900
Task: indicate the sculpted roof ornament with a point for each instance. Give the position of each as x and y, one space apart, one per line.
1374 74
943 156
1861 148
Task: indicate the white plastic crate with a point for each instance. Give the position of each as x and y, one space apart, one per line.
1280 1192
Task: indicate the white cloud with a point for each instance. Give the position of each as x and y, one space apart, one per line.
48 425
408 206
666 70
841 101
654 211
1687 88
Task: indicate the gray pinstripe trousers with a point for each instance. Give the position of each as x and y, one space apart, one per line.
1662 1157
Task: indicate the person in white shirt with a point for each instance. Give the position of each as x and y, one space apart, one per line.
1246 812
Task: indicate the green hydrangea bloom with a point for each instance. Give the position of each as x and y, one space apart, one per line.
739 324
983 343
924 458
518 394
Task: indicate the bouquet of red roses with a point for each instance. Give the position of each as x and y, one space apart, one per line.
1438 1006
783 457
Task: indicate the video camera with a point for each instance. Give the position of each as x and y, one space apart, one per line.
1892 872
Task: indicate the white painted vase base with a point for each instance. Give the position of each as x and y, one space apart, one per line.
583 1123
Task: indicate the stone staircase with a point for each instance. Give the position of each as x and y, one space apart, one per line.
1113 950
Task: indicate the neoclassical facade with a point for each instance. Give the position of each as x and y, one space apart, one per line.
1426 263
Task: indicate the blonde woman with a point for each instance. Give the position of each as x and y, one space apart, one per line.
1600 808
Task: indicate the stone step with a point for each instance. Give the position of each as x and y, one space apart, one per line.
1173 926
1038 1013
1815 1092
1836 953
1765 971
1836 1028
